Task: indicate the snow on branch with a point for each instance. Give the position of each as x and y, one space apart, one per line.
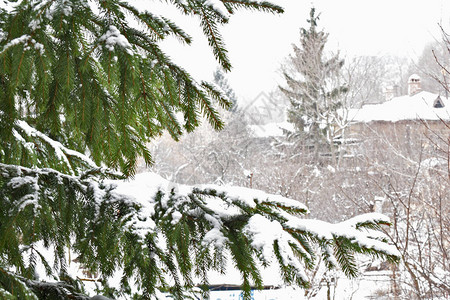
273 225
167 222
113 37
218 7
62 153
360 236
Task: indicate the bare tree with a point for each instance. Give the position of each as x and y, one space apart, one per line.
371 78
410 174
433 75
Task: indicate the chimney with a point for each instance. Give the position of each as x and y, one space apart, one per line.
391 91
414 85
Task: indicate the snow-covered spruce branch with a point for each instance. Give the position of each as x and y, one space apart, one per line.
31 289
270 225
82 94
127 226
46 149
44 210
37 142
61 152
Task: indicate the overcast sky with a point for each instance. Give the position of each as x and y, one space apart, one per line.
259 42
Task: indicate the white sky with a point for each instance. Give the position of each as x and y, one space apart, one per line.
259 42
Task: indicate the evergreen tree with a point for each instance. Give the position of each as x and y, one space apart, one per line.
81 93
222 82
314 87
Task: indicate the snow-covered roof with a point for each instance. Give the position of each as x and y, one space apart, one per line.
420 106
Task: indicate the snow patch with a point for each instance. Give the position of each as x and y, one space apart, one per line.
113 37
218 7
61 152
19 40
366 238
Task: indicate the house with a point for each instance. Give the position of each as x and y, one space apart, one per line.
400 117
403 116
417 105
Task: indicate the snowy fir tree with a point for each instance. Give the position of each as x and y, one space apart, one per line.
314 87
221 81
84 87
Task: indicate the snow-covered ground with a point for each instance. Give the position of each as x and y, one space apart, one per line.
371 285
368 286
